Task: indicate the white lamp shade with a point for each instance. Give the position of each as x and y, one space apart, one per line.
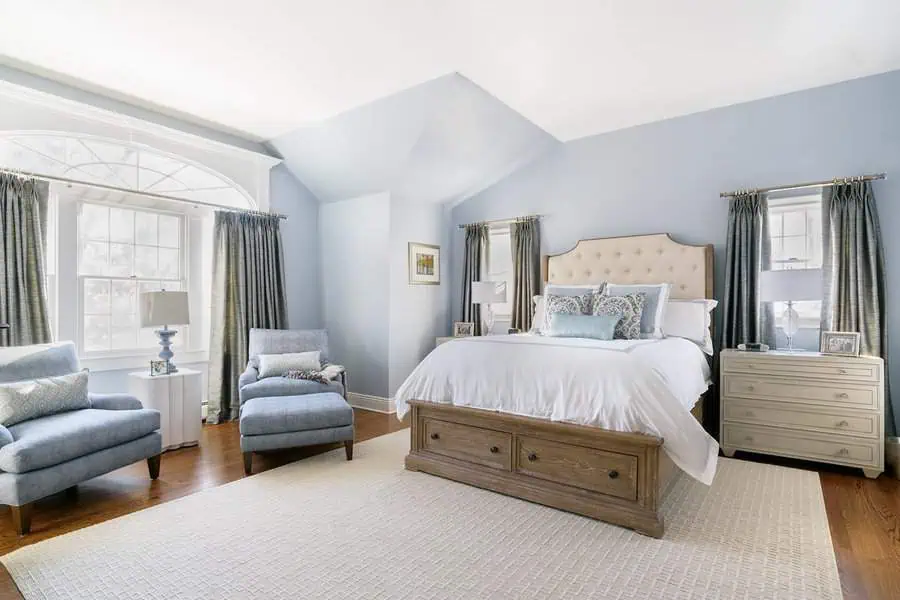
795 285
488 292
164 308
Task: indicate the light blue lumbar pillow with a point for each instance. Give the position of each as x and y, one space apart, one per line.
597 327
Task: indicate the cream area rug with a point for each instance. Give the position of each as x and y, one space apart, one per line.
332 529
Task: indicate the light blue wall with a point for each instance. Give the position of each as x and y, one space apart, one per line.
355 265
666 176
300 235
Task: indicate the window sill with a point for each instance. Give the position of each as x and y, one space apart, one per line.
140 361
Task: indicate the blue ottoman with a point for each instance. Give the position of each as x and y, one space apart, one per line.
277 422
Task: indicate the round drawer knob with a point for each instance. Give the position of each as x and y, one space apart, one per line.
842 371
435 436
843 395
532 456
843 424
750 388
749 413
494 449
613 474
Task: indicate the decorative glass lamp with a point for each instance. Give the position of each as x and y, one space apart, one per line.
790 285
161 309
486 293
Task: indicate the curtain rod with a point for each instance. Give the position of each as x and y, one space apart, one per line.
112 188
811 184
500 221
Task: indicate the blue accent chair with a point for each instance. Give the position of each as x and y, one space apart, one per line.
56 452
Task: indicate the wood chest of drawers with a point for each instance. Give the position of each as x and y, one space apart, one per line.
804 405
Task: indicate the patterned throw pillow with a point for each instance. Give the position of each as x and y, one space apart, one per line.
567 305
629 307
33 398
316 376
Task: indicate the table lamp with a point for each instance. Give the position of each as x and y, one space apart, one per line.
790 285
161 309
486 293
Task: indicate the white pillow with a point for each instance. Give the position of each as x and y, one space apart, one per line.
276 365
690 319
656 297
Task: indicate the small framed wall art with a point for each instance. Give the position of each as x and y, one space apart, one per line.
463 329
424 264
841 343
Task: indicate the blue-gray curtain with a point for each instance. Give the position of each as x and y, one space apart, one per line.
525 239
855 284
473 259
23 244
247 292
748 252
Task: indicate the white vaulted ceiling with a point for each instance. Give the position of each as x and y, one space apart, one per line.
571 67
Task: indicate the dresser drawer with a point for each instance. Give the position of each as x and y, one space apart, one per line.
828 368
865 424
587 468
472 444
805 392
835 449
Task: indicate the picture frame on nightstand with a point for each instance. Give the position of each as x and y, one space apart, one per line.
159 367
840 343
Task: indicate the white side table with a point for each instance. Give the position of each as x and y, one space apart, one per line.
178 399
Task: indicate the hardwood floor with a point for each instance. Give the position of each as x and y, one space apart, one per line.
864 514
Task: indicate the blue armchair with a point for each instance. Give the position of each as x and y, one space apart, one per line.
55 452
283 341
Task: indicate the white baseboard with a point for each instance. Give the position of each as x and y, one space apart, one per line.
374 403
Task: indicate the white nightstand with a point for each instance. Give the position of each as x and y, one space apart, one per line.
178 398
441 340
804 405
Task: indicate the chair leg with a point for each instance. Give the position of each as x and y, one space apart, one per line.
248 463
348 447
153 465
21 517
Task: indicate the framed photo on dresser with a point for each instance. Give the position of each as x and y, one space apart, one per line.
840 343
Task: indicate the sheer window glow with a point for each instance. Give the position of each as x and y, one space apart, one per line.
500 267
795 230
122 253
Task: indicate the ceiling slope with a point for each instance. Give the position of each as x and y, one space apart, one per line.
436 142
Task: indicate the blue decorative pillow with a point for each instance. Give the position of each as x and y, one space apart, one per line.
570 305
597 327
628 308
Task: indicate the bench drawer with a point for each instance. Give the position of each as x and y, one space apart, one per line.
472 444
578 466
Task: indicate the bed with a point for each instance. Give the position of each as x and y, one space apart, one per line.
578 425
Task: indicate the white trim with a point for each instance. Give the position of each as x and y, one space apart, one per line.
373 403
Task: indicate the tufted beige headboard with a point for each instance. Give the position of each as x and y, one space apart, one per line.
653 258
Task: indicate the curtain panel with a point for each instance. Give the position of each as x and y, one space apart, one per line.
748 252
23 245
248 292
473 261
855 283
525 238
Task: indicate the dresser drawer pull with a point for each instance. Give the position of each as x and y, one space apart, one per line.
750 388
435 436
842 424
842 371
843 395
843 452
749 413
749 439
532 456
613 474
494 449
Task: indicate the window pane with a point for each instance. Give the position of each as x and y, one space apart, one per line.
122 295
121 225
168 264
147 338
148 286
94 258
123 331
146 261
795 222
121 260
169 231
96 333
795 247
96 297
94 222
775 225
145 228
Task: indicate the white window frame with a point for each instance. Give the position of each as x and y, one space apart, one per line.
808 319
502 312
183 339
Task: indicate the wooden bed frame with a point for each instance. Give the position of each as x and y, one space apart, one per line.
616 477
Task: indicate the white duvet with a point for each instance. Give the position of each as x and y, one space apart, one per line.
644 386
